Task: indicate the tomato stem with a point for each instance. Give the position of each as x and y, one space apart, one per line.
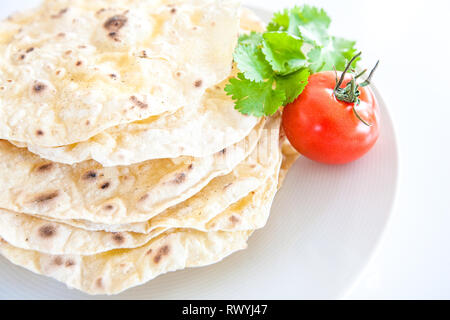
338 84
350 93
369 78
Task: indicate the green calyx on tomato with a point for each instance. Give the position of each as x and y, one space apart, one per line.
350 93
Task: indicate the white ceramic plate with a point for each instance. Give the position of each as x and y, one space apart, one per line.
325 224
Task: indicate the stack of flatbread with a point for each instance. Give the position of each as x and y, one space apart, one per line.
122 156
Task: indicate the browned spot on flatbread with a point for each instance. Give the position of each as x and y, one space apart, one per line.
180 178
223 151
45 167
39 132
99 283
39 87
144 197
173 10
90 175
115 23
118 238
198 83
234 220
114 36
59 14
45 197
58 261
149 252
228 185
108 207
163 251
47 231
79 63
138 103
69 263
191 166
143 54
105 185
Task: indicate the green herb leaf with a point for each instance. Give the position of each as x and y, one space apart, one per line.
293 84
307 22
253 38
252 63
334 54
280 21
255 98
315 17
283 51
274 66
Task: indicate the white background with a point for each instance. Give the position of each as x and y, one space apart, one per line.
412 40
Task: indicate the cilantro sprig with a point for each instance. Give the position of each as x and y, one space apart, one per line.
275 65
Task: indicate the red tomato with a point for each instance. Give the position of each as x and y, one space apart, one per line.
325 129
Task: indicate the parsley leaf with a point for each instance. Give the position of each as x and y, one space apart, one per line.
255 98
283 51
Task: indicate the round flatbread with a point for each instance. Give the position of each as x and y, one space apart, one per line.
73 68
114 271
191 131
113 195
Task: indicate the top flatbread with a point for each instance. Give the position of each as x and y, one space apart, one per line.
71 69
190 131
